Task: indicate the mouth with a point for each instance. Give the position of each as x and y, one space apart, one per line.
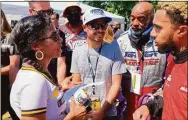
59 49
135 29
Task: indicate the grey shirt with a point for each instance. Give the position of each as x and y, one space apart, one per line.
110 62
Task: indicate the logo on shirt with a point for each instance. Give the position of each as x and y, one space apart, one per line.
184 89
130 54
150 54
168 80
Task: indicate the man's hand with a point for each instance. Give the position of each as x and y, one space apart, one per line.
68 83
141 113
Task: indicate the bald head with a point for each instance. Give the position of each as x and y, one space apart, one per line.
141 15
143 7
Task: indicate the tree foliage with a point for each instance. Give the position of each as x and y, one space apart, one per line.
122 8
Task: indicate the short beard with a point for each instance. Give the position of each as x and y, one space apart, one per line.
168 46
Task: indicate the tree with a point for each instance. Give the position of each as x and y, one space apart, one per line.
122 8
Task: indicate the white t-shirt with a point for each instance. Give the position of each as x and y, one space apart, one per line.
33 93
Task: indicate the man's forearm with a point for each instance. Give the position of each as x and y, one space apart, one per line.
61 74
5 70
61 69
111 97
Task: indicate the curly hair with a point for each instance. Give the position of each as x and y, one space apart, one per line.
177 11
29 30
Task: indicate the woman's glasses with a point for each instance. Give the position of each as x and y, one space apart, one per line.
97 26
48 12
54 36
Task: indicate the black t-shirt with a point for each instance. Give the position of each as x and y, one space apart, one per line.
7 49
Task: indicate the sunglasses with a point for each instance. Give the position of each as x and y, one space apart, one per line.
96 26
48 12
54 36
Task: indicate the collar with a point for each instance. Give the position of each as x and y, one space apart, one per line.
181 57
70 29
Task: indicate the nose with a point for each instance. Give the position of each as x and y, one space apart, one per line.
135 23
153 33
60 40
100 29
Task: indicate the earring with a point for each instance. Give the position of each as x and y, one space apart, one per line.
39 55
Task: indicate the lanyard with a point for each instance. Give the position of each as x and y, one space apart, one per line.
94 71
140 61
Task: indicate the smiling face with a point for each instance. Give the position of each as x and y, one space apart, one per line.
96 29
164 32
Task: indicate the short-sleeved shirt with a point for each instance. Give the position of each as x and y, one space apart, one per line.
33 93
110 62
7 49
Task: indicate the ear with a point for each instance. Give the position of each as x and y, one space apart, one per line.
30 11
182 30
84 28
36 46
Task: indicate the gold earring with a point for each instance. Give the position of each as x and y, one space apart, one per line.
38 56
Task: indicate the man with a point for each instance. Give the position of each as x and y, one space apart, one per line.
55 19
116 26
96 61
145 64
36 7
170 33
74 34
40 7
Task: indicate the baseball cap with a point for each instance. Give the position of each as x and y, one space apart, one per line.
73 4
94 14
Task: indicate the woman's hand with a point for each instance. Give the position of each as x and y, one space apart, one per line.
68 83
76 111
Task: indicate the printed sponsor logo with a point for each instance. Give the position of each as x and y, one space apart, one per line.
184 89
130 54
74 44
151 61
150 54
168 80
131 62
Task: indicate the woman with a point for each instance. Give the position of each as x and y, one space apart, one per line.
35 95
7 57
109 35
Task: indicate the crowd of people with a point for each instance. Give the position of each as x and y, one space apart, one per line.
143 69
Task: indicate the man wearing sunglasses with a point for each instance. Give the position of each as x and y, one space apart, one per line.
98 61
74 33
40 8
